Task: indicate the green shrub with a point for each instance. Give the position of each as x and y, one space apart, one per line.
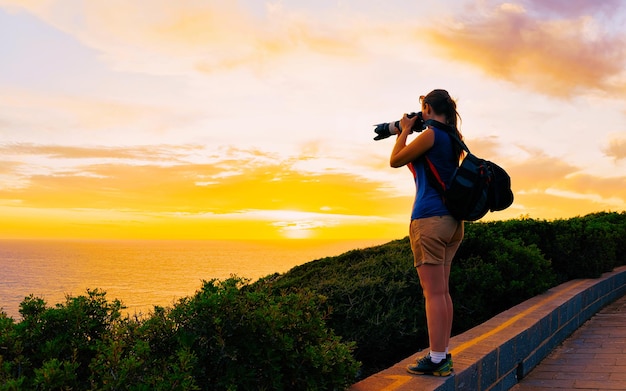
228 336
53 346
56 375
247 338
374 299
10 355
492 274
580 247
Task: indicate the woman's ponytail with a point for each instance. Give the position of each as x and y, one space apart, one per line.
442 104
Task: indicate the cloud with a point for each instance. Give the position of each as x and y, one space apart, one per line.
163 37
561 53
616 148
8 166
150 153
173 180
484 146
559 48
87 118
573 7
539 171
550 187
165 179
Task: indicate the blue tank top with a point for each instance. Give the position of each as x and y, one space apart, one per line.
428 201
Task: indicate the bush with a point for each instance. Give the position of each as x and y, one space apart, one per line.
228 336
52 347
580 247
492 274
373 297
143 354
247 338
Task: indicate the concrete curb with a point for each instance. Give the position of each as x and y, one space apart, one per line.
494 355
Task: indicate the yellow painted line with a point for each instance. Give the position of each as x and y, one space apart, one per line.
400 380
514 319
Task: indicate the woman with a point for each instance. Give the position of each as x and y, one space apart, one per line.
435 235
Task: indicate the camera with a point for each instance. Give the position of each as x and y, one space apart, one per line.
385 130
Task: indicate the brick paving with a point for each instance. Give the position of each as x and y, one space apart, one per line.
592 358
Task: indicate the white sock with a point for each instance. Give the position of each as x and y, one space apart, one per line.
437 357
447 350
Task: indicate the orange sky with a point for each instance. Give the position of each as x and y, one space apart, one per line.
254 120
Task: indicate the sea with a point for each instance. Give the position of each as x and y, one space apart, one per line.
145 273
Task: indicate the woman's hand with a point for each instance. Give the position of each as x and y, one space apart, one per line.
406 123
402 153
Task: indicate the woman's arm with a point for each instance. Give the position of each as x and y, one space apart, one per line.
402 153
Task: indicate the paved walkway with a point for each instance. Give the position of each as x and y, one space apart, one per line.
592 358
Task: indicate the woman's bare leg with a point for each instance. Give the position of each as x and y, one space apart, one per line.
434 281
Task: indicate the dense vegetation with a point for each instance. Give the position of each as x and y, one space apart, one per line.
318 327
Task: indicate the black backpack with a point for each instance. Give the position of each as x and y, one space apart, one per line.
476 187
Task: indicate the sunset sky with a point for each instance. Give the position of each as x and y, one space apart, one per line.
253 119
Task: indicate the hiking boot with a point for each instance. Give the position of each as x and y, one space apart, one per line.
425 366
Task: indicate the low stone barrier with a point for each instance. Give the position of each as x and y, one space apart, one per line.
494 355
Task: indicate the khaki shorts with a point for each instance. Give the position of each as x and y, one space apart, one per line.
434 240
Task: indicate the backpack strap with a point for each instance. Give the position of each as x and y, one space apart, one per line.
451 130
432 174
433 177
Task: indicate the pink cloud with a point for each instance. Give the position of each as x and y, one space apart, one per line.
555 55
573 7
